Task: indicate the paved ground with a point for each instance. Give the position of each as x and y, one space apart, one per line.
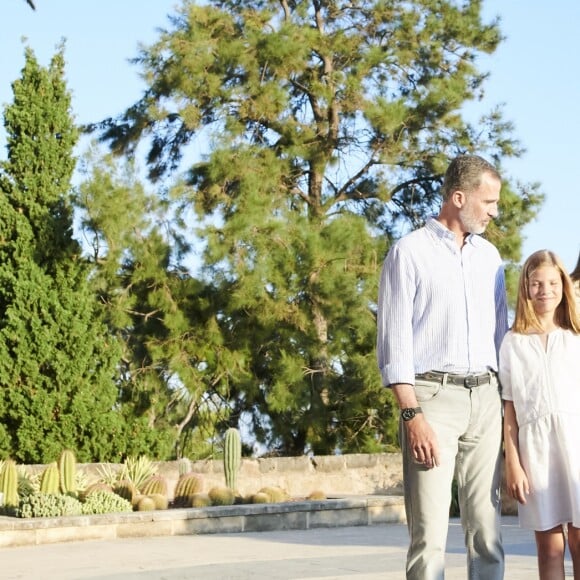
355 553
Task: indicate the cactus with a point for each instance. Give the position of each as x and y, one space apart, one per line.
317 495
260 497
97 487
200 500
138 470
155 484
160 500
232 457
49 505
275 494
183 466
67 468
49 481
187 485
221 496
9 483
146 504
125 489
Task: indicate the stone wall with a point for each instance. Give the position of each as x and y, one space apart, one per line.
335 475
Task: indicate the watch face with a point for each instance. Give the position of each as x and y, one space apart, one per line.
407 414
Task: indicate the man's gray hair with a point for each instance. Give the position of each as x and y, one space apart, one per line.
464 174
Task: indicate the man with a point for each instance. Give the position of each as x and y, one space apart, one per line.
442 314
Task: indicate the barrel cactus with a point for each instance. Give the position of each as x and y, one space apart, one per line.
187 485
155 484
221 496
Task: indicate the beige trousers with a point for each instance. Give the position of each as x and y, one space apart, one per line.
468 425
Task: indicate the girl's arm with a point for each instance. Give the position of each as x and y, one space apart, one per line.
516 478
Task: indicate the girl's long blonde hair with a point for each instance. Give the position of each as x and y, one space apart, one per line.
566 315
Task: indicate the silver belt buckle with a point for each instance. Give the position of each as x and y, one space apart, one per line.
470 382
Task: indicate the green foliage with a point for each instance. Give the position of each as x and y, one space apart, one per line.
103 502
232 457
42 505
324 134
58 362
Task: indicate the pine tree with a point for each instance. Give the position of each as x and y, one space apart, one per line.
330 125
57 360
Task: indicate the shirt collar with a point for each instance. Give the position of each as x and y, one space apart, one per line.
440 231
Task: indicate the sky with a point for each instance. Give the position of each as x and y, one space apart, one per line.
533 74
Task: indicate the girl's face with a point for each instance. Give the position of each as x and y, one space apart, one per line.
545 289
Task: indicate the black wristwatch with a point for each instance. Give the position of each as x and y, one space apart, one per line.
409 413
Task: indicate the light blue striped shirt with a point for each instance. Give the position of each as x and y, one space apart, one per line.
440 307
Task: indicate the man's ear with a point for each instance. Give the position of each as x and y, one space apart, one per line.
458 198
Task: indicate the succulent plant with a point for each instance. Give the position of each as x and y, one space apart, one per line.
187 485
96 487
155 484
183 466
200 500
275 494
126 489
138 470
9 483
221 496
48 505
232 457
146 504
104 502
49 480
260 497
67 469
160 500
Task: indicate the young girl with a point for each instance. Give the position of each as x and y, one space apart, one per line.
539 371
575 275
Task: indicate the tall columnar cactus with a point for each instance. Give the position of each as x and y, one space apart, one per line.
49 481
9 483
67 466
232 457
184 466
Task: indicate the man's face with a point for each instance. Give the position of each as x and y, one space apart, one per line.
480 206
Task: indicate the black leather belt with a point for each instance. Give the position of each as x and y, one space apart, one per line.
467 381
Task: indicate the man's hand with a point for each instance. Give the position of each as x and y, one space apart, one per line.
422 442
421 439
